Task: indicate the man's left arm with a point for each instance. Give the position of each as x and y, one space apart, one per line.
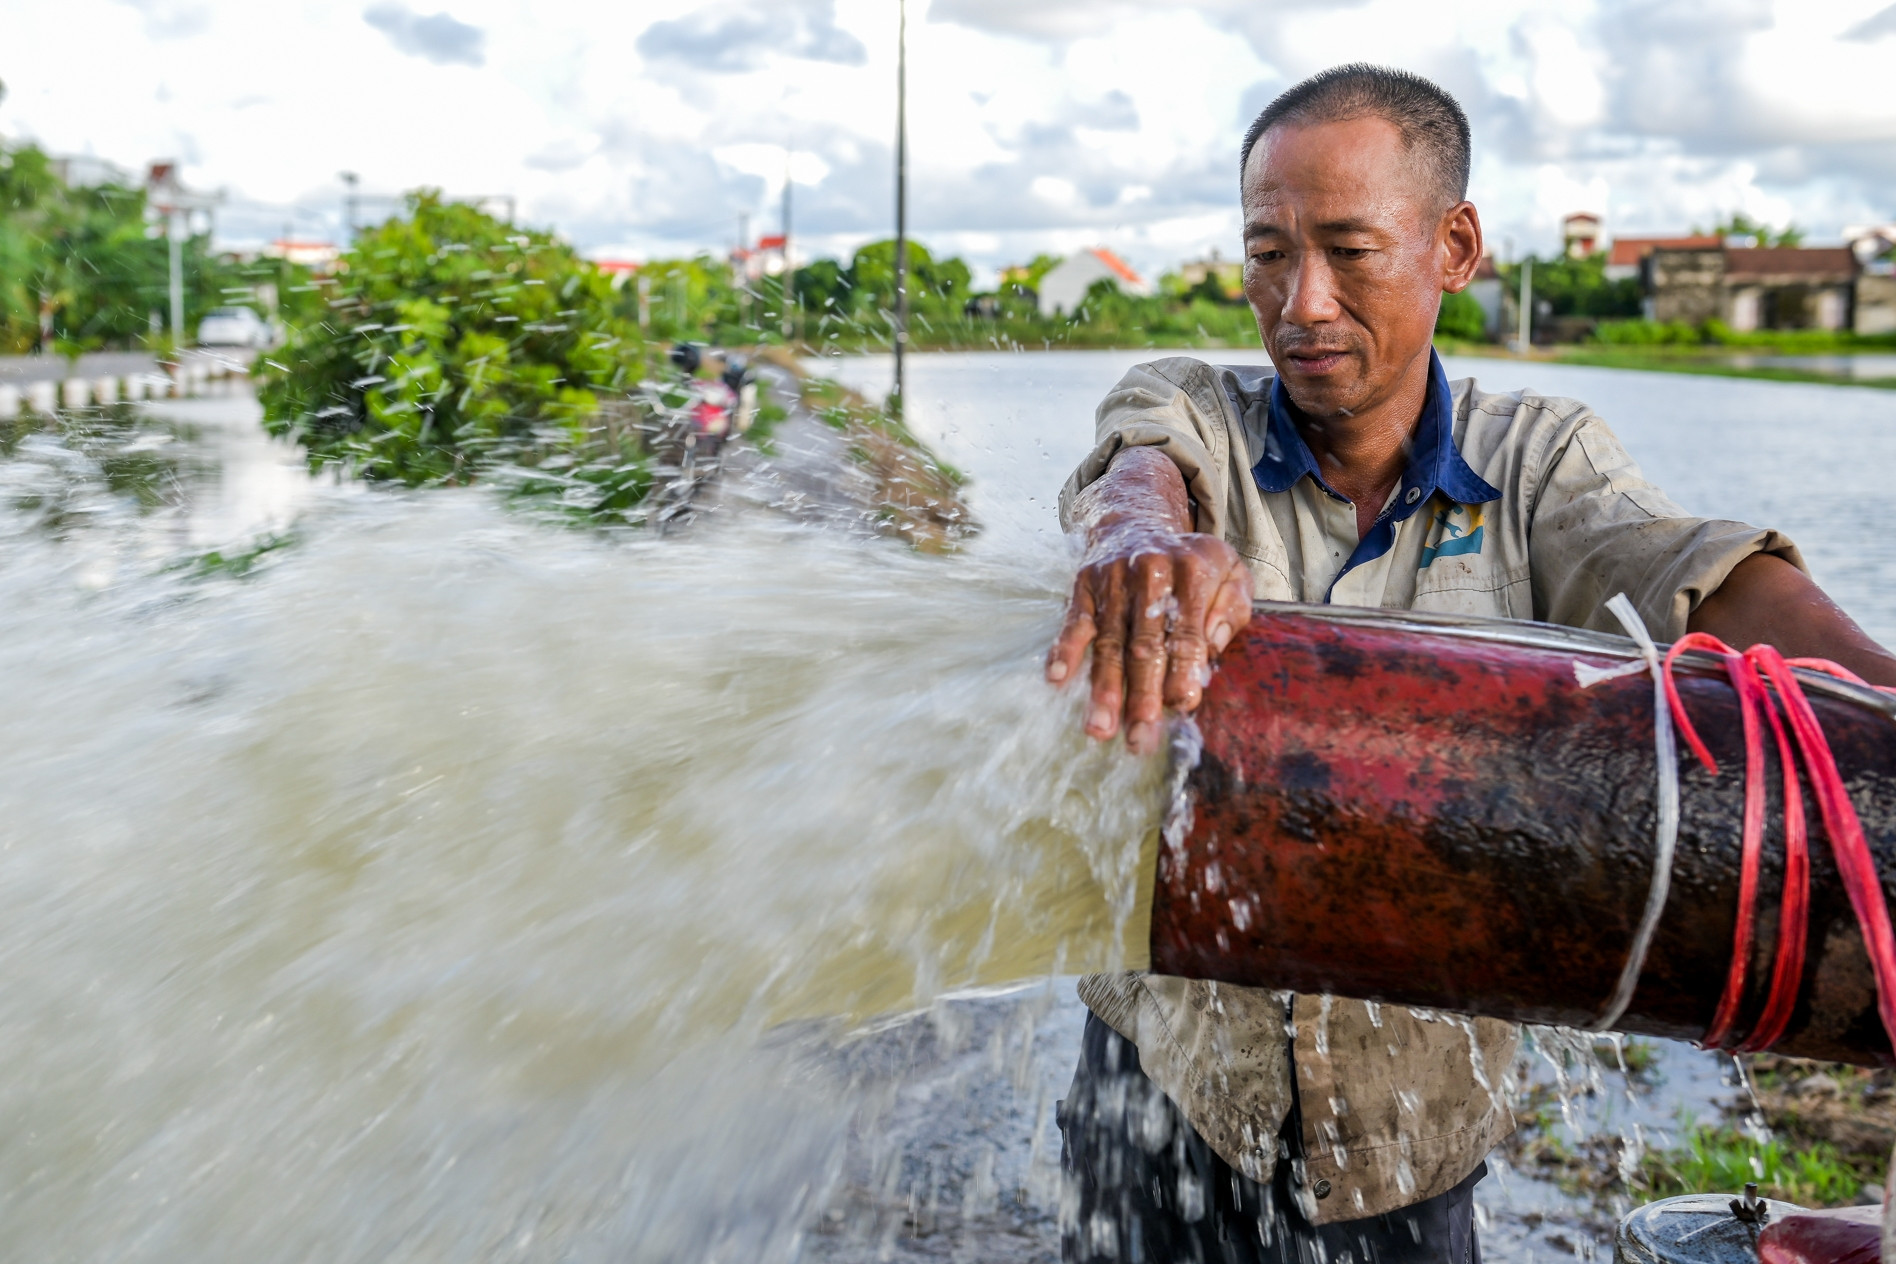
1766 600
1598 527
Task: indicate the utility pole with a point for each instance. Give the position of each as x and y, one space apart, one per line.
740 268
350 181
901 201
174 238
1526 313
789 269
166 195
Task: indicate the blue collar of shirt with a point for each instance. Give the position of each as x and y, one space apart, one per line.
1435 465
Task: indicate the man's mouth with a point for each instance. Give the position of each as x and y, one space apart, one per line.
1315 360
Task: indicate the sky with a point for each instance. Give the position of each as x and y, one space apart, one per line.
641 130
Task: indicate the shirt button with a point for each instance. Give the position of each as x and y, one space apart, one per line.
1321 1189
1415 494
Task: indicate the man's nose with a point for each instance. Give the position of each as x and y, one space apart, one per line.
1312 296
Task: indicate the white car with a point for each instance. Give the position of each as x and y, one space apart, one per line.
235 327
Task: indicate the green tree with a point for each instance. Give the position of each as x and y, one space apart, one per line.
825 288
453 341
1739 224
1579 287
937 289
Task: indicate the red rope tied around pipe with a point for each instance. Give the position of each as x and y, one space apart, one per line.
1749 673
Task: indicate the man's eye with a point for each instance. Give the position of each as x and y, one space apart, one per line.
1348 252
1266 256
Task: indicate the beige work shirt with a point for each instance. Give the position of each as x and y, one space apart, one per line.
1397 1105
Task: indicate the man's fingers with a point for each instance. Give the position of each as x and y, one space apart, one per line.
1186 650
1153 613
1155 617
1063 660
1230 609
1109 654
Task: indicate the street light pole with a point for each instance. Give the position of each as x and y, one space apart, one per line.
1526 305
174 239
165 194
789 269
901 201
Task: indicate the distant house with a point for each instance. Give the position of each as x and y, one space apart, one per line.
1228 273
1875 247
1580 233
620 270
1875 251
1064 287
319 256
1753 287
1624 260
767 258
82 171
1789 287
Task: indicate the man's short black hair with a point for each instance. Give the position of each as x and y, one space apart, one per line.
1431 121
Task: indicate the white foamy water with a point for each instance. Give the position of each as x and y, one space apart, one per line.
439 892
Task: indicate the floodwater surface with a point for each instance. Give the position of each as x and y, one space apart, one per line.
452 886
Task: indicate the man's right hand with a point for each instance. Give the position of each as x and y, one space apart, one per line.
1155 600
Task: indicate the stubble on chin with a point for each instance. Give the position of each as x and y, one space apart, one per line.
1332 396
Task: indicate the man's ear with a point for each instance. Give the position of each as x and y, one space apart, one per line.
1460 238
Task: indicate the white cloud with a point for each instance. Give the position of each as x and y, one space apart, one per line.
1049 124
437 37
1053 189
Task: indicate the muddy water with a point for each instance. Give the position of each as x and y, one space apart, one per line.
440 891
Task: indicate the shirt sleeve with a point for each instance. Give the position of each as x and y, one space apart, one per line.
1149 409
1599 528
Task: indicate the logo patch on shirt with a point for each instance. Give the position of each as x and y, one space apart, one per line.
1459 528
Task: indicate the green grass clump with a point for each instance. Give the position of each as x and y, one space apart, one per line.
1717 1160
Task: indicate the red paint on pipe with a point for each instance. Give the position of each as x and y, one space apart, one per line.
1434 813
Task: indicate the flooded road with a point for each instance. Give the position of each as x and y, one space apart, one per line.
1812 460
456 887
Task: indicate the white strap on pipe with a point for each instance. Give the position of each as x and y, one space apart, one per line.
1589 676
1666 833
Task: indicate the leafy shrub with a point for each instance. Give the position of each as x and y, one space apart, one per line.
1646 333
454 342
1461 317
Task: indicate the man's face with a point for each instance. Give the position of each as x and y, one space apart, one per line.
1346 255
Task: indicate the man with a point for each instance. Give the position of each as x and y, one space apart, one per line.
1211 1122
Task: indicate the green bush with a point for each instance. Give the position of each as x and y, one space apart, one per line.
453 342
1795 340
1461 317
1646 333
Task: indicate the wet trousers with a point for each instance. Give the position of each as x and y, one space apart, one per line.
1143 1188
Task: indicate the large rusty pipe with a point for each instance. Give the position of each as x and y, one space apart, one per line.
1433 812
